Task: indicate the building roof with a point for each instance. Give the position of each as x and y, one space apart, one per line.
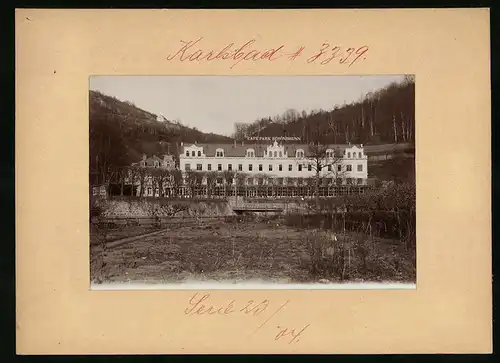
239 149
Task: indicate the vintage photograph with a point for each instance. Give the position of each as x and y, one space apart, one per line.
240 180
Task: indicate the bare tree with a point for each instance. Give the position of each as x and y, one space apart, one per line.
211 177
240 181
160 177
177 180
323 160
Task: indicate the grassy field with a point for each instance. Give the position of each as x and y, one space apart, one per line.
236 251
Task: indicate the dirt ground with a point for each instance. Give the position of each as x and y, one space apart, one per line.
218 251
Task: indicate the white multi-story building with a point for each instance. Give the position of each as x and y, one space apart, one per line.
288 163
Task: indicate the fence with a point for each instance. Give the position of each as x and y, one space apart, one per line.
274 191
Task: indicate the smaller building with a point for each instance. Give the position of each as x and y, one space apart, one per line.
167 162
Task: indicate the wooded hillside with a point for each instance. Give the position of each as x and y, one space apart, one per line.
120 133
384 116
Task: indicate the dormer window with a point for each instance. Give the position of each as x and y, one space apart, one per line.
281 154
299 153
193 153
219 153
199 153
187 153
275 154
250 153
329 153
348 155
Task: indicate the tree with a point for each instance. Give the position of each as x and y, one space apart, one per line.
240 181
211 178
160 177
228 179
194 180
320 162
177 179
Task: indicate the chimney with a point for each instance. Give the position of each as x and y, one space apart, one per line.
144 156
242 142
234 143
361 145
196 143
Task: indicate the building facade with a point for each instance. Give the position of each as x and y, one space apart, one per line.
254 170
282 164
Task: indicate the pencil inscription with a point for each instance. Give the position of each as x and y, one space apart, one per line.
202 305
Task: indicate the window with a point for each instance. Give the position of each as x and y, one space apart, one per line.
290 167
349 167
360 181
261 181
199 153
339 181
299 153
281 154
280 168
209 167
360 167
359 155
240 167
260 167
187 167
309 167
150 191
354 155
250 167
349 181
339 167
219 153
193 153
300 167
270 167
250 153
187 153
348 155
330 167
219 180
219 167
280 181
199 167
230 167
250 181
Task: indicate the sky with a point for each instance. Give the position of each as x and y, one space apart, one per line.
216 103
